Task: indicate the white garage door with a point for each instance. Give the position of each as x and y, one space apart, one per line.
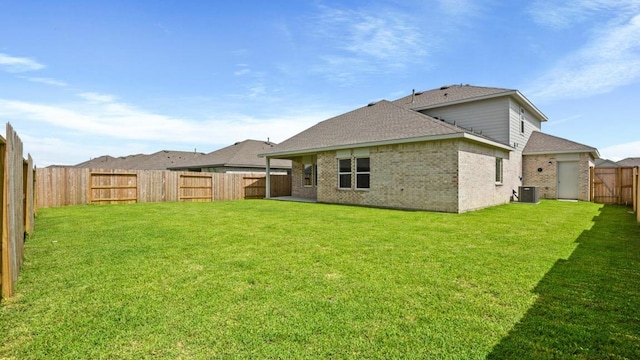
568 179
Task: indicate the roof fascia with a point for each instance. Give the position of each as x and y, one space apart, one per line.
226 165
594 152
515 93
460 135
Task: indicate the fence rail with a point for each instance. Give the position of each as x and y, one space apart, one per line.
61 186
17 197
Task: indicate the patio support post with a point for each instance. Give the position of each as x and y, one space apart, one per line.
267 194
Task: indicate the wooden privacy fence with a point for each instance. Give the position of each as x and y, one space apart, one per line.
614 185
62 186
17 208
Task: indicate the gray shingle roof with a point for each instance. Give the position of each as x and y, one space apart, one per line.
448 94
377 122
455 94
605 163
160 160
241 154
540 143
630 161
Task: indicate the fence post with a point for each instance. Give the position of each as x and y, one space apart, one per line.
636 182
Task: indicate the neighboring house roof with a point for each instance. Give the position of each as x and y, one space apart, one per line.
243 154
457 94
540 143
160 160
630 162
605 163
378 123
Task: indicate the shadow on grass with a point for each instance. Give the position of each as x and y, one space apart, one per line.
588 306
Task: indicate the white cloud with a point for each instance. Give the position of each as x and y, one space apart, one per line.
97 98
564 14
46 81
14 64
367 40
117 128
621 151
611 59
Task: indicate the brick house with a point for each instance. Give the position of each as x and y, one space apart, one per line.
453 149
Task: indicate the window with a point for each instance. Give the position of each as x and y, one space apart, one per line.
522 118
344 173
362 173
498 170
307 175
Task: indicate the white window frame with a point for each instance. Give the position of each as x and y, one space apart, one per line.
350 173
368 173
499 174
312 181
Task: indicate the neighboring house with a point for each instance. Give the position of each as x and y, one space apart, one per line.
241 157
160 160
605 163
559 167
630 162
453 149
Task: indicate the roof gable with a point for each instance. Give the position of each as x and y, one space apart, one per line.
457 94
376 122
540 143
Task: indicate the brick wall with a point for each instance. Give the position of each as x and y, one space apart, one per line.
297 181
477 185
584 190
542 171
447 175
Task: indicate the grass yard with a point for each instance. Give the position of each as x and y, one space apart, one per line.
269 279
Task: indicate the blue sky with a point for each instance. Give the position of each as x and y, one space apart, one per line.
81 79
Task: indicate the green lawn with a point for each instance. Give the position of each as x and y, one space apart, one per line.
269 279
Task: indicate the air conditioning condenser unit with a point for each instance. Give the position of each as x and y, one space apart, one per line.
529 194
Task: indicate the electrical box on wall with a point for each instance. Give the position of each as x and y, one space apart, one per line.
529 194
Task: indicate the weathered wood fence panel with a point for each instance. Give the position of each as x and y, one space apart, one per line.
17 208
59 186
636 205
113 188
29 178
254 187
280 185
614 186
195 187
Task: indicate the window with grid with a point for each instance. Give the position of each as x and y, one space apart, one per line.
344 173
363 173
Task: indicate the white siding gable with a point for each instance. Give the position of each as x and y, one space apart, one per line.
517 114
491 117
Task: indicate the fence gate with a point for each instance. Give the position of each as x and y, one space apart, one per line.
113 188
195 187
613 185
255 187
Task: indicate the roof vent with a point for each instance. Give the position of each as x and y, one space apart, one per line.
372 103
444 87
